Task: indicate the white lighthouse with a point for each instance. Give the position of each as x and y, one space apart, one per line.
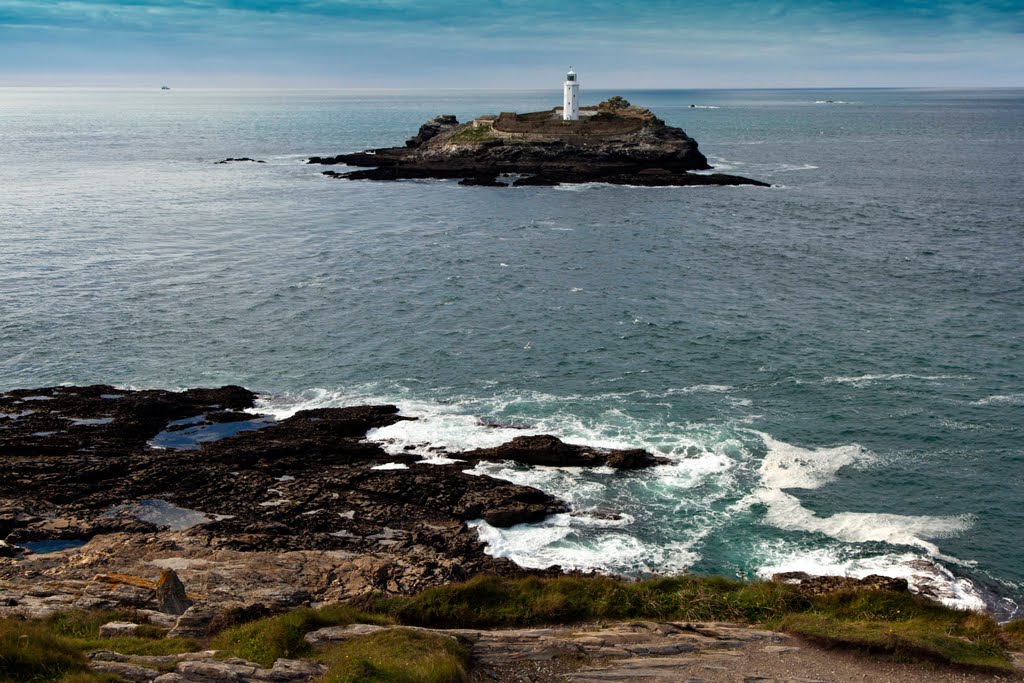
571 100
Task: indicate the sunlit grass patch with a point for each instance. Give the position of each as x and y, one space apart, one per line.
397 656
266 640
904 625
487 601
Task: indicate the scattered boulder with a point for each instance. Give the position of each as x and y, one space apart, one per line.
170 593
118 629
232 159
337 634
194 622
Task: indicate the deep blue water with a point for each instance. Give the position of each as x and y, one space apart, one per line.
835 363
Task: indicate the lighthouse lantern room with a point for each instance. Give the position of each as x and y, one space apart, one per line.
571 101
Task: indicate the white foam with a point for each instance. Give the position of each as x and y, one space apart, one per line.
711 464
391 466
922 575
866 380
786 466
556 543
1001 399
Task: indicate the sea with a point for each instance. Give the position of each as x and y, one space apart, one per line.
833 365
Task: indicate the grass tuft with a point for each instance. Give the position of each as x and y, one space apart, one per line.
1013 633
904 625
29 651
473 134
397 656
266 640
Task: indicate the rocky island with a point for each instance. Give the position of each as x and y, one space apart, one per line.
613 142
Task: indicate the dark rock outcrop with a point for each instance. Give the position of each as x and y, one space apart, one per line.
433 128
77 465
551 451
233 159
614 142
170 593
816 585
483 181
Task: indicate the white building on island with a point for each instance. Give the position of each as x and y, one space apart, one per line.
571 100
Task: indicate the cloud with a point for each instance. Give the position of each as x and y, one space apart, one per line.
735 42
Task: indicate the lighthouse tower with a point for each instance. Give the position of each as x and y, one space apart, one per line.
571 101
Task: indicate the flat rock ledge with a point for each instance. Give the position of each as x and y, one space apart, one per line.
620 652
613 142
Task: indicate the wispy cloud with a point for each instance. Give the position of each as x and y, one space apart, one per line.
361 42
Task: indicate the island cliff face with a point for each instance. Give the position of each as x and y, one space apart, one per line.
613 142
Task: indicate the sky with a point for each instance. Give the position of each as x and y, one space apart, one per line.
512 43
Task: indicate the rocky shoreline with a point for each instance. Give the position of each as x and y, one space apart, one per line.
613 142
194 514
144 477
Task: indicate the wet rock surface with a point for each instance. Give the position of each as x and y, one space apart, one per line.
546 450
77 464
613 142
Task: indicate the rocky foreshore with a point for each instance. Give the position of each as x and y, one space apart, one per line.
613 142
303 509
191 513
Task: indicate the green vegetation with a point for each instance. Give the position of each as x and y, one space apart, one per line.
54 649
903 625
397 656
1014 634
487 601
473 134
266 640
899 624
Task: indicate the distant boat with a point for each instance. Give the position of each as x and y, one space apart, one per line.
164 87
